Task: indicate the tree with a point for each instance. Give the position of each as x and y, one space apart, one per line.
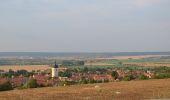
67 73
143 77
85 70
32 83
92 81
23 72
115 74
120 63
128 78
10 73
60 74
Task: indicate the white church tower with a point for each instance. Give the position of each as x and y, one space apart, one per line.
54 70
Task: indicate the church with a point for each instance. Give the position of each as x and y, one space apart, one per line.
55 70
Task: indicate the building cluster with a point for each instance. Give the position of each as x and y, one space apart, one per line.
135 73
53 79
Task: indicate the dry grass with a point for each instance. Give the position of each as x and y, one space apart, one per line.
133 90
25 67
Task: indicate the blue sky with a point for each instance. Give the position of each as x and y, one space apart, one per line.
84 25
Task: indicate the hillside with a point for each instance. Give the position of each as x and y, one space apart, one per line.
131 90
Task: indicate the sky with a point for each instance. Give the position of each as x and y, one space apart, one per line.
84 25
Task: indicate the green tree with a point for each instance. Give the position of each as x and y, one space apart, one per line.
143 77
67 73
120 63
115 75
32 83
85 70
128 78
92 81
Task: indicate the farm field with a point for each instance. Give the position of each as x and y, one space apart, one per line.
25 67
145 64
98 64
45 67
132 90
145 61
133 57
150 64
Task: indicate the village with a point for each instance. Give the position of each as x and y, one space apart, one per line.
61 76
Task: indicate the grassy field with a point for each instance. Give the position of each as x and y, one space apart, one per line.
25 67
132 90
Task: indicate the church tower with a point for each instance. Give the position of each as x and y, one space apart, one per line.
54 70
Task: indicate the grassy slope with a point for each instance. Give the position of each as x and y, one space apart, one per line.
132 90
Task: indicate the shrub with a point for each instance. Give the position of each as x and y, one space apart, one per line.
6 86
106 81
143 77
62 83
92 81
32 83
128 78
84 82
162 76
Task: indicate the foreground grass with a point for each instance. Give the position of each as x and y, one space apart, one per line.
132 90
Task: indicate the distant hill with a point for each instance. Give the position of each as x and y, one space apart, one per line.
75 54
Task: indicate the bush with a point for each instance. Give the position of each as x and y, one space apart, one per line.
162 76
128 78
143 77
92 81
6 86
106 81
99 81
71 82
62 83
84 81
32 83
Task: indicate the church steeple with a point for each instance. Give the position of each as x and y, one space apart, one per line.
54 70
55 65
